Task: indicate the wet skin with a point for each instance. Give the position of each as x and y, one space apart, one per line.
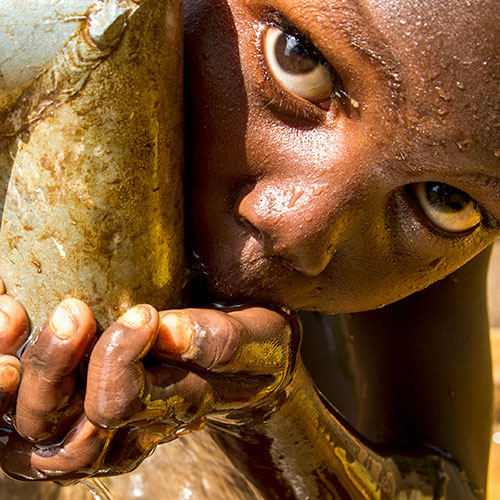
311 205
308 206
214 363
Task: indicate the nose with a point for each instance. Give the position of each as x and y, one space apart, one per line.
294 223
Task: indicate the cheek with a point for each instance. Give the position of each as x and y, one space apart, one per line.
216 103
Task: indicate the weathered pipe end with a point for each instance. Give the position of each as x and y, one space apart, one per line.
92 174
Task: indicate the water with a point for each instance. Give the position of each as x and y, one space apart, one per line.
97 489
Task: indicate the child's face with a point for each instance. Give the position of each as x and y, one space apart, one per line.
325 138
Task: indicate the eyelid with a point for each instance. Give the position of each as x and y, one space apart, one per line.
487 222
293 106
484 187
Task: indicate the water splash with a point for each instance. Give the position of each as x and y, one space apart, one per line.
97 489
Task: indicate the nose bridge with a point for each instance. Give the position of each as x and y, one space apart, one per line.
297 221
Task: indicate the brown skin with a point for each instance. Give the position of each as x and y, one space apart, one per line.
361 242
14 332
307 208
139 403
50 366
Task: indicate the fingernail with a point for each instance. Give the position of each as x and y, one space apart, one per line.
137 317
10 373
4 320
63 323
176 333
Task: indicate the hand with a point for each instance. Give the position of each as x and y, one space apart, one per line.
223 362
213 362
49 407
13 334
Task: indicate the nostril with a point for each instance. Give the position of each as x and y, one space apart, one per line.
298 237
310 264
251 229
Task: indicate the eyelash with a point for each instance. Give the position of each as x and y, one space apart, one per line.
297 108
487 222
309 114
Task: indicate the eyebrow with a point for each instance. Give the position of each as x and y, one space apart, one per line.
357 26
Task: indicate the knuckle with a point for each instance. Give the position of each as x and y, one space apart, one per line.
35 359
227 344
112 409
218 347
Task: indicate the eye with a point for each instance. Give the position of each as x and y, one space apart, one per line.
447 207
297 66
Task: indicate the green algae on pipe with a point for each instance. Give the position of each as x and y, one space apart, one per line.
91 151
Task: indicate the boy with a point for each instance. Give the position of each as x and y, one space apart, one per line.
345 156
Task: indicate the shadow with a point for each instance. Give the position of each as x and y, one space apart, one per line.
216 111
8 151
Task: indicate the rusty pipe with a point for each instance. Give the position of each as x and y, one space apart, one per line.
91 154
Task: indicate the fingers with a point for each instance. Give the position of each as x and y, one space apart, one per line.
10 376
80 453
13 325
252 340
13 333
185 396
253 348
115 382
130 447
46 399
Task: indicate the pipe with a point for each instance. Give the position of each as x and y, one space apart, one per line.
90 154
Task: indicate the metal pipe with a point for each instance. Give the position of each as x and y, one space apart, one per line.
91 153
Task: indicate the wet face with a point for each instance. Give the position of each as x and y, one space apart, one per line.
343 154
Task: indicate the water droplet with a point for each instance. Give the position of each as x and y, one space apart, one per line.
466 144
461 85
442 111
443 94
402 22
497 153
317 190
296 194
496 438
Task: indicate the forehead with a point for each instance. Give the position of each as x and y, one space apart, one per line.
449 51
444 57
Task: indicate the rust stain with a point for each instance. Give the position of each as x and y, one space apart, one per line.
67 74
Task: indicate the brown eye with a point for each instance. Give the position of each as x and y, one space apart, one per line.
297 66
447 207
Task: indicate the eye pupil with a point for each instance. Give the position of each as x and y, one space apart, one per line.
447 207
293 56
446 198
298 67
